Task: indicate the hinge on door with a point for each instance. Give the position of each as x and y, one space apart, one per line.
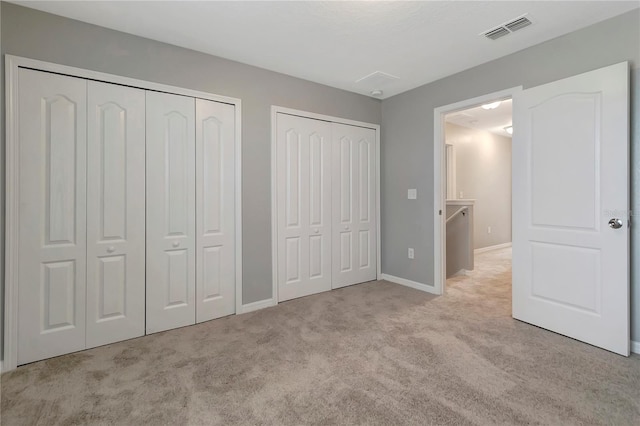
440 212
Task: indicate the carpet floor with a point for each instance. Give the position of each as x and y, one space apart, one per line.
375 353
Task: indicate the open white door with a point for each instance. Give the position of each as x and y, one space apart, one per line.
570 204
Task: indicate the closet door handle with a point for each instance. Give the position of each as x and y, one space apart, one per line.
111 249
176 244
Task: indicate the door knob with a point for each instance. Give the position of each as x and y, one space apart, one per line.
111 249
615 223
316 230
176 244
346 228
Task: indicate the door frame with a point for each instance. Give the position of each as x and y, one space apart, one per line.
275 110
439 183
12 217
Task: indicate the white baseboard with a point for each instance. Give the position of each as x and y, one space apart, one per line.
254 306
635 347
408 283
491 248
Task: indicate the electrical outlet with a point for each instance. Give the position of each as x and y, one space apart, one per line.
412 194
461 195
488 229
411 254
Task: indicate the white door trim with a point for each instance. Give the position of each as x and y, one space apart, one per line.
12 63
439 184
274 211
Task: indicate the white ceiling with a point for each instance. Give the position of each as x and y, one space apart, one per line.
493 120
338 42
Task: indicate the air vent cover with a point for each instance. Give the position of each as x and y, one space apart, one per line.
518 24
507 28
496 33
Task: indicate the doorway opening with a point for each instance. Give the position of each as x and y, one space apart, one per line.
472 190
478 196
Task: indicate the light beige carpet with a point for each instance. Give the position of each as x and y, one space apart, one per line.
376 353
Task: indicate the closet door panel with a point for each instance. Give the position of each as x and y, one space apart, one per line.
52 186
303 162
115 213
215 210
354 211
170 182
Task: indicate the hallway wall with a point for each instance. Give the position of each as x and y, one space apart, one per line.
483 173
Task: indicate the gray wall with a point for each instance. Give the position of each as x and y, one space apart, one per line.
407 136
483 173
38 35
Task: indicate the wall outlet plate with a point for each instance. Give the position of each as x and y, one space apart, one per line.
412 194
411 254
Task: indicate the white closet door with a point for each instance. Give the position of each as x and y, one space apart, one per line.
52 185
170 122
303 157
354 212
215 210
115 213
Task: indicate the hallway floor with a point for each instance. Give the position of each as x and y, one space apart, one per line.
376 353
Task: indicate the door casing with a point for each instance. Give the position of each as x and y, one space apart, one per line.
439 183
275 110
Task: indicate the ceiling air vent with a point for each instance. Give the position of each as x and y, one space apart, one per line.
496 33
518 24
507 28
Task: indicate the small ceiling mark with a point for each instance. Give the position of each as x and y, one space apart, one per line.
377 79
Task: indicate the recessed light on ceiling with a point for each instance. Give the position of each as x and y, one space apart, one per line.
376 92
509 129
492 105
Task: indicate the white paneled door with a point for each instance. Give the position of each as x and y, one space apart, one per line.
115 213
52 210
303 173
570 207
354 205
215 210
171 239
122 211
326 205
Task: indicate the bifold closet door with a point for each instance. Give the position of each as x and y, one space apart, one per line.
215 210
170 173
115 213
52 214
303 173
354 205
